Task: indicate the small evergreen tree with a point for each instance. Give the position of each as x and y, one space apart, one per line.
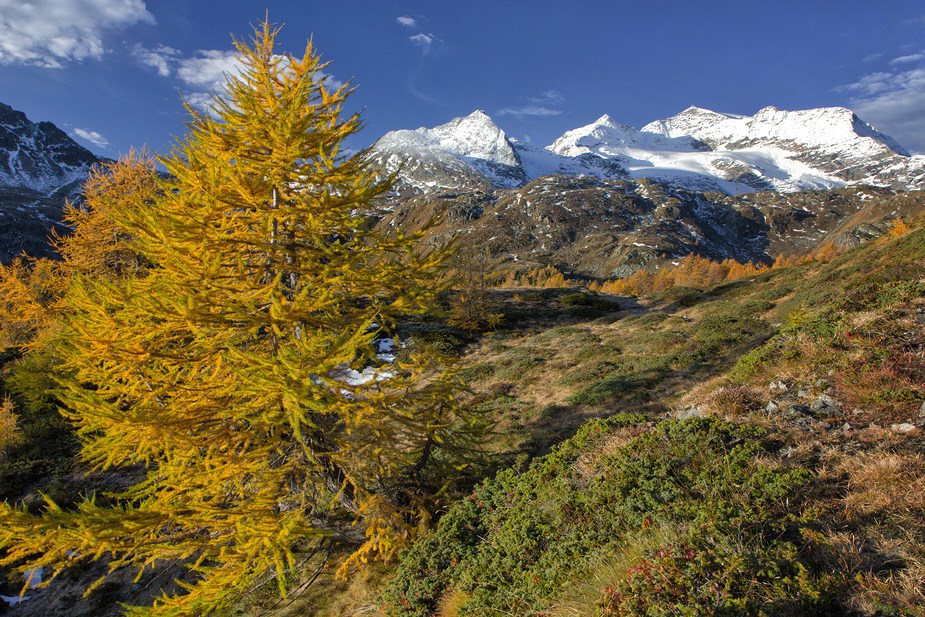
471 305
236 362
9 426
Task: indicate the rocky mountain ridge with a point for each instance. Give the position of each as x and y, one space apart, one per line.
40 168
582 203
39 156
612 228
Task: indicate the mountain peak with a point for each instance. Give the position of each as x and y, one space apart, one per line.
475 136
480 115
824 127
38 156
697 148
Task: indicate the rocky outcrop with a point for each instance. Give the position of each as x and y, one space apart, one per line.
40 168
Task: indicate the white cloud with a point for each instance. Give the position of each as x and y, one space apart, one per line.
159 58
408 22
206 71
543 105
424 40
51 32
92 136
528 110
208 68
894 102
907 59
550 97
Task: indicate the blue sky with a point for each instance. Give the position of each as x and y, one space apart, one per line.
110 72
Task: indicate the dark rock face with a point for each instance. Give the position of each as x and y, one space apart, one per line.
613 228
40 168
38 156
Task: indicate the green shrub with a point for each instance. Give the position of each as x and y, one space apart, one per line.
593 371
520 539
615 384
480 371
584 304
577 299
684 297
444 340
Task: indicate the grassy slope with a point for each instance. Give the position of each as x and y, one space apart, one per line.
814 505
798 510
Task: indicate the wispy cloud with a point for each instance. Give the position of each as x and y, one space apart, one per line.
528 110
894 101
159 58
424 41
51 33
544 105
92 136
206 71
549 97
907 59
408 22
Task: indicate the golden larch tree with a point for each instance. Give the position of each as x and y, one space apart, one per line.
238 365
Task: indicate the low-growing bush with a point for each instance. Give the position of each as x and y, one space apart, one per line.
524 538
616 384
584 304
480 371
594 371
577 299
444 340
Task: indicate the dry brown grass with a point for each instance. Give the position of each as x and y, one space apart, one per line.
589 465
584 598
876 534
451 602
355 596
699 393
733 401
890 483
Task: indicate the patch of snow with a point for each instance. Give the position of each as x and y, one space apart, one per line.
33 578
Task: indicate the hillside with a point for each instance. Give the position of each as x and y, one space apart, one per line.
612 228
752 448
759 441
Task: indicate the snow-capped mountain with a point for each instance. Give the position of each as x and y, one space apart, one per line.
469 153
39 156
697 149
40 167
607 199
831 142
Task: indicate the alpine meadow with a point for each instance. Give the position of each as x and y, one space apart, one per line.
669 371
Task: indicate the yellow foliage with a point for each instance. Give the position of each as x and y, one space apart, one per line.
898 228
32 290
9 429
471 304
28 291
212 339
98 245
